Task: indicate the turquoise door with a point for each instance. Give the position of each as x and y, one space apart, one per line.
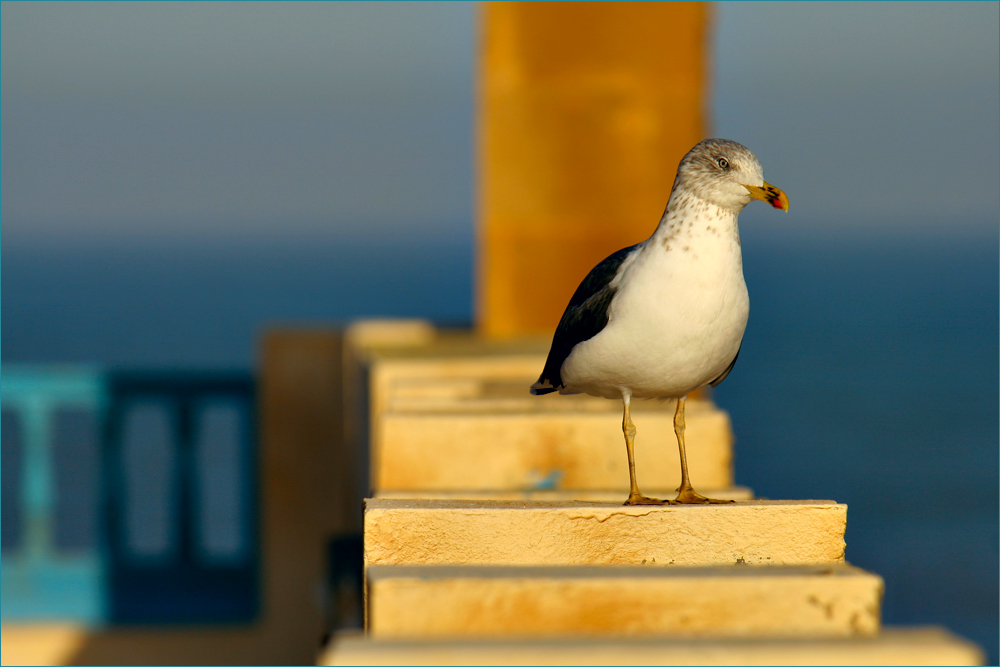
43 574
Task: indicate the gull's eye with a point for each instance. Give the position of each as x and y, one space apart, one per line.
722 162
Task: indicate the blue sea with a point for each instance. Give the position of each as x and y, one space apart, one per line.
868 374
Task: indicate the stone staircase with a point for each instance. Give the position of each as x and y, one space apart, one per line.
496 534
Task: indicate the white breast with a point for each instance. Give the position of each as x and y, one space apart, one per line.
677 320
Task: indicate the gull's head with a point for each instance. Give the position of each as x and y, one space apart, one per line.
727 174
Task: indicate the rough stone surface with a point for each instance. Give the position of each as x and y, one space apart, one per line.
452 361
422 532
453 412
912 646
463 450
593 601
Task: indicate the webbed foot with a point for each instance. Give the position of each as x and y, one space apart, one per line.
689 496
639 499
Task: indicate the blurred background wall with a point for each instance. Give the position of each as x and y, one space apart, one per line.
176 176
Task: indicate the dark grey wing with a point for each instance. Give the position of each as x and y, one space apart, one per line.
728 368
584 317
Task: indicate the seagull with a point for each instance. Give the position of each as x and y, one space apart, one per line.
666 316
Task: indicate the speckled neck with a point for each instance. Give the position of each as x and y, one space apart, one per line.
688 219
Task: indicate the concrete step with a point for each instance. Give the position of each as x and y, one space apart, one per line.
630 600
447 411
390 357
893 646
485 446
755 532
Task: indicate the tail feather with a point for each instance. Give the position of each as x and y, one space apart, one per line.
543 386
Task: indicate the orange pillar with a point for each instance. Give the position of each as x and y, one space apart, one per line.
585 109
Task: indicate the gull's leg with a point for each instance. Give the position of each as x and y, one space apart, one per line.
628 428
686 494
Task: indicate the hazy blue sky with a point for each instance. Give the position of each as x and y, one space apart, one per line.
287 120
869 114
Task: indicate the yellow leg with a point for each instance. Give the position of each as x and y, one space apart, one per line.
686 494
628 428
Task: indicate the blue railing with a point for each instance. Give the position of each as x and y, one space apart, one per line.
171 506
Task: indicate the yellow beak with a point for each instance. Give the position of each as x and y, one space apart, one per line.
772 195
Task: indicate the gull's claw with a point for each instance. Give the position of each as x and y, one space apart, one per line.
689 496
639 499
